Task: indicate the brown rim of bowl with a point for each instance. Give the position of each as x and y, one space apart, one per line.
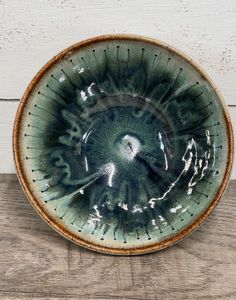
51 220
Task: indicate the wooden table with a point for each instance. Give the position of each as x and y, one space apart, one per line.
37 263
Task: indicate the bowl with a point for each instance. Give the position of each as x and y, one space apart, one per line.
123 144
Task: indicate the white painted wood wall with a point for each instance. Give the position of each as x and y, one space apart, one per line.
31 32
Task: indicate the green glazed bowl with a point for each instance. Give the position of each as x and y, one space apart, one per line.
123 144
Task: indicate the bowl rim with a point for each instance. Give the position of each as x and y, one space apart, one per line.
59 226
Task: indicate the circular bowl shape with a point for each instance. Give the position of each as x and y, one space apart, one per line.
123 144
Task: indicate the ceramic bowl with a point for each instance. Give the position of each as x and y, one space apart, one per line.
123 144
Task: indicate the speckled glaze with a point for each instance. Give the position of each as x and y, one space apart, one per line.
123 144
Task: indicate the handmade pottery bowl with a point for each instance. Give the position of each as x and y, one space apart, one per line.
123 144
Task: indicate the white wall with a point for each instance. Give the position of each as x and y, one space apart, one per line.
31 32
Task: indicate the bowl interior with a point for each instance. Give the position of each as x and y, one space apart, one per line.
123 143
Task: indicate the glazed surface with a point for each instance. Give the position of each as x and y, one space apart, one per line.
123 143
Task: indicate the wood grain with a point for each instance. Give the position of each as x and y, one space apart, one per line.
37 263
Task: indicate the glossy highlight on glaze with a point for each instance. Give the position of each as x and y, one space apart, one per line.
124 142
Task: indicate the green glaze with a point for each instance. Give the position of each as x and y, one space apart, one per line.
124 143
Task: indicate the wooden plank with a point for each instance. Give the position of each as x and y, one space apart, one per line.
7 115
205 30
36 263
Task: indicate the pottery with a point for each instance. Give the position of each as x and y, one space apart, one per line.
123 144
